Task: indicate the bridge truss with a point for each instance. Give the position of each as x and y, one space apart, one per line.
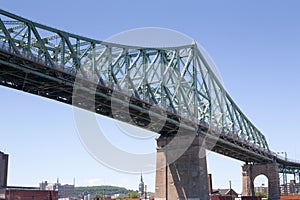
176 80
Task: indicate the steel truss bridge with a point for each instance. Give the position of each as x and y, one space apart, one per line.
176 82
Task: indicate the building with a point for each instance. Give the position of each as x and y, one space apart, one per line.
142 187
292 187
43 185
117 195
64 191
225 193
3 169
261 189
12 193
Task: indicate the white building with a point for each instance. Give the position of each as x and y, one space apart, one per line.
64 191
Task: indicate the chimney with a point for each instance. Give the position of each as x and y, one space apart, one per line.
210 189
3 169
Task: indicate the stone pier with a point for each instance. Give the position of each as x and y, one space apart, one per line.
181 172
250 172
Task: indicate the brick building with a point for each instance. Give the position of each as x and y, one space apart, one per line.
27 194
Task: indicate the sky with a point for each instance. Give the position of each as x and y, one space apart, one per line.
255 44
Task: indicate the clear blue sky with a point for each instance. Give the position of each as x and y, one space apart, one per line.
255 44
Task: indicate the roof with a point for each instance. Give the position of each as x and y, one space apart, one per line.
224 192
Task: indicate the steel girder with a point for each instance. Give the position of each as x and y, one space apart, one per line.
288 166
289 170
177 79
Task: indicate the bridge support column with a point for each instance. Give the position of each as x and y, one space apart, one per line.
250 172
186 177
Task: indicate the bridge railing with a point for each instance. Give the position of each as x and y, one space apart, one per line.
286 159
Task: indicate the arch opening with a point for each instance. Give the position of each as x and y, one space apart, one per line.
261 183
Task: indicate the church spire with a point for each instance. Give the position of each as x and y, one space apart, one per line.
142 177
141 186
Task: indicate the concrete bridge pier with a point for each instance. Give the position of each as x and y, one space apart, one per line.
270 170
186 177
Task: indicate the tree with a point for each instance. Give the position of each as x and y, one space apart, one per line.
98 197
133 194
262 195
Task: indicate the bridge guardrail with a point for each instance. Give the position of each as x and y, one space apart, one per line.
286 159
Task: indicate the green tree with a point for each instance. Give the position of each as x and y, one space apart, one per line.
133 194
98 196
262 195
104 189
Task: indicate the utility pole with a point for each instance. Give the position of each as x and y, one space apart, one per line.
230 189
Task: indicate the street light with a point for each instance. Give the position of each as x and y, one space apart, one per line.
285 154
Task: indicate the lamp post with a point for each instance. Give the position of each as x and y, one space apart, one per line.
285 154
284 176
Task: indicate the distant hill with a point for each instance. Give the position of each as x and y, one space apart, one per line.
104 189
